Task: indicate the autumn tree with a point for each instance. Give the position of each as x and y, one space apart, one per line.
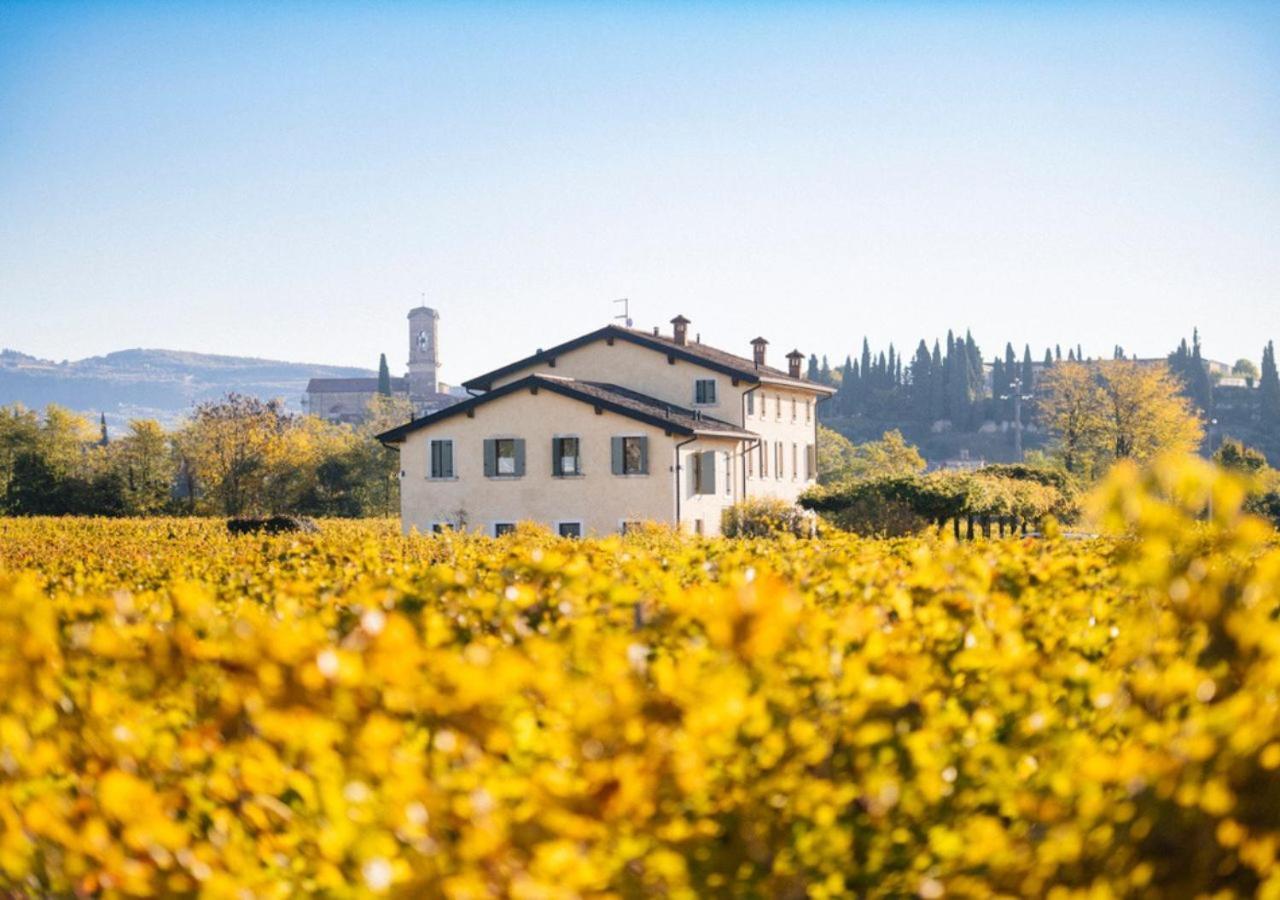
1101 412
229 447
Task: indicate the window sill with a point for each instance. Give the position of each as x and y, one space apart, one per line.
504 477
631 475
570 475
442 478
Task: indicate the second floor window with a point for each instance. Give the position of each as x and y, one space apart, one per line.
795 461
630 455
504 457
793 409
704 391
777 460
566 456
441 459
764 459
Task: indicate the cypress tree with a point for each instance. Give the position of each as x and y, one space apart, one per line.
815 374
937 384
826 371
1048 358
1028 371
1269 391
384 376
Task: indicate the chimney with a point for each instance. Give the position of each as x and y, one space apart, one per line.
757 351
794 360
680 328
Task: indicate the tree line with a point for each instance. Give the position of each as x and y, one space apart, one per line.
234 456
948 381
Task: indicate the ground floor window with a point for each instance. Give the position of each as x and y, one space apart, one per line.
629 525
501 528
570 529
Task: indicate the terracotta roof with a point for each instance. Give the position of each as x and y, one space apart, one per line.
352 385
612 397
717 360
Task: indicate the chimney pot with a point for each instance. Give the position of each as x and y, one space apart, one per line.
680 330
758 346
794 360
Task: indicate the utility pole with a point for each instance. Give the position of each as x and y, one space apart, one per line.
1017 396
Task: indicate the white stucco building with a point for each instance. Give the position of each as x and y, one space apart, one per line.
615 427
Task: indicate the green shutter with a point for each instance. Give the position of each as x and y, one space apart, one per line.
433 464
644 455
616 446
519 442
446 455
556 468
490 458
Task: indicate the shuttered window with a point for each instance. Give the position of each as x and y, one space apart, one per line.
810 462
630 455
795 461
764 459
702 468
566 456
704 391
777 460
751 404
504 457
441 459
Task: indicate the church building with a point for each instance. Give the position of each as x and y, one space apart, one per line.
347 399
610 429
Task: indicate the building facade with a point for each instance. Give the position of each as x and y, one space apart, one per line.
615 427
347 400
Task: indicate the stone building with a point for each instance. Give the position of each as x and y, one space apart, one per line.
347 399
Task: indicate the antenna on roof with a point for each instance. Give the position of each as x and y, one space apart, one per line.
626 311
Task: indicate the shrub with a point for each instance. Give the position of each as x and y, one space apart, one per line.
765 517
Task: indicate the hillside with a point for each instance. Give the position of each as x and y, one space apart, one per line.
158 384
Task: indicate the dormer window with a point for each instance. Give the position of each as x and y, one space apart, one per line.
704 392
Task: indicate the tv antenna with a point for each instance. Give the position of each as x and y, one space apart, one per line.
626 311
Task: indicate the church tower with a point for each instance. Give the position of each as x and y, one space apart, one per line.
424 333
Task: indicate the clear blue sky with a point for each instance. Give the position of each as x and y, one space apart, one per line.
284 180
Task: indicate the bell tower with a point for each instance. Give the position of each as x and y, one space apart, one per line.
424 334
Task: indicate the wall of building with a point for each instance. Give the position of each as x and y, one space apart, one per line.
643 370
778 422
648 372
598 498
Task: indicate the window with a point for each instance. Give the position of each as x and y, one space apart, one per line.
795 461
702 472
440 527
626 526
810 462
501 528
777 407
764 459
728 474
697 526
777 460
441 459
793 409
704 391
751 403
751 463
630 455
570 529
566 456
808 410
504 457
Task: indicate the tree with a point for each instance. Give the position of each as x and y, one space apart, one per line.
1102 412
384 376
228 447
1269 391
146 467
835 455
1246 369
1234 455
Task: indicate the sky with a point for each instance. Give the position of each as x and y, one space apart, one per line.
286 180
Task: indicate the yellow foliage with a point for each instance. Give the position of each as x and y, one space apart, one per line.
355 713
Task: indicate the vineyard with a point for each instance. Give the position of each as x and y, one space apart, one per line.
355 713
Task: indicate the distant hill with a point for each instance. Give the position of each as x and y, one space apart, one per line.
156 384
